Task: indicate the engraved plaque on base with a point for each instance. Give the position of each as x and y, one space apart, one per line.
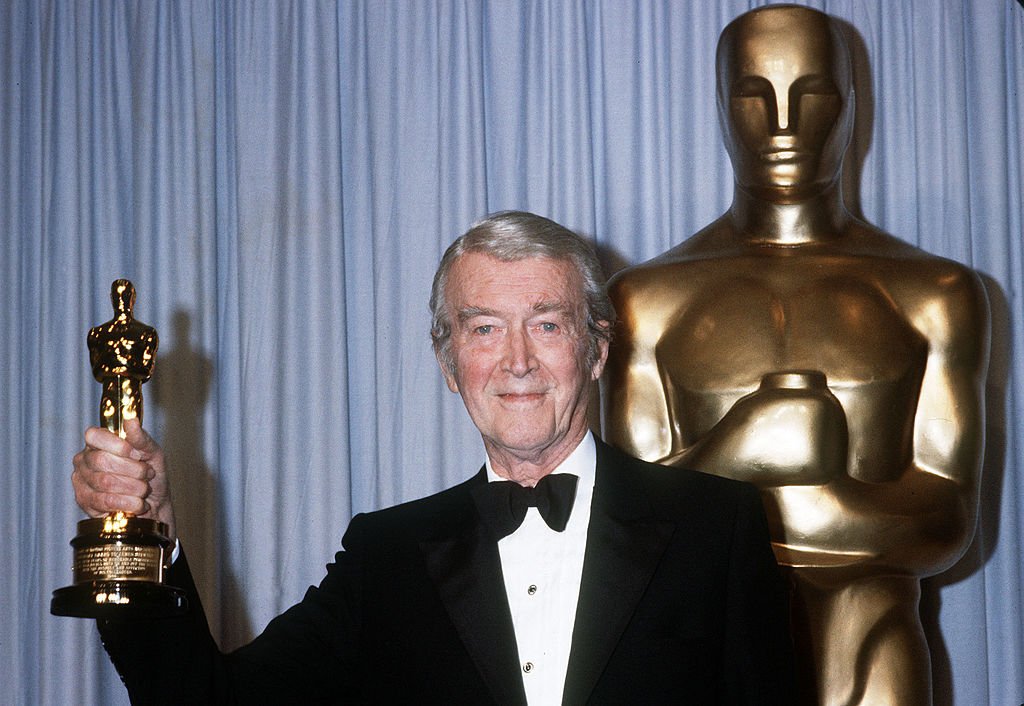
120 559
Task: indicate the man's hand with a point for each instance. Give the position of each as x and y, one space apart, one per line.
127 474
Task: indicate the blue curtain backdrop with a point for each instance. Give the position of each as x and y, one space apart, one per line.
279 180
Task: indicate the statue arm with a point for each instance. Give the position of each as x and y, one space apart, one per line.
949 425
634 406
921 521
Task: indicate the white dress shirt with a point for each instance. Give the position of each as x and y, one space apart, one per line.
542 570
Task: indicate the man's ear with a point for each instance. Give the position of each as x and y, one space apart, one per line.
602 357
449 376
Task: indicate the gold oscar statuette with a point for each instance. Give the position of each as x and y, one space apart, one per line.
120 559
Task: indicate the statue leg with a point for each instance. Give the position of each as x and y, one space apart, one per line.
861 643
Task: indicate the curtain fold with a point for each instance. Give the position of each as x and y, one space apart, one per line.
279 181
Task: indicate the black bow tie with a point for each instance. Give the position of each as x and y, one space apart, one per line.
503 504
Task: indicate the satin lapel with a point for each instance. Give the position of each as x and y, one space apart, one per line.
466 568
624 545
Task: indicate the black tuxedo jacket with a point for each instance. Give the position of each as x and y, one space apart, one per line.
680 602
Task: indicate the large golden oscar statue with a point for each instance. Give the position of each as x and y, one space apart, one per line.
837 368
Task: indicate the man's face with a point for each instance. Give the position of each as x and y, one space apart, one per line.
518 344
782 105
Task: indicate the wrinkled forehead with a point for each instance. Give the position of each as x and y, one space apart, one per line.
479 274
780 44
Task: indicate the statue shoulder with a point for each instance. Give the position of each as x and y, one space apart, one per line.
712 242
942 298
653 285
949 301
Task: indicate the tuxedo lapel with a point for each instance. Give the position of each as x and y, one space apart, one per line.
624 544
465 566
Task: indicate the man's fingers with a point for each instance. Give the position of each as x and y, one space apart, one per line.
121 474
143 445
105 440
120 484
124 503
99 493
137 443
100 462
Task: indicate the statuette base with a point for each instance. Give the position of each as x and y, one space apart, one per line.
119 571
119 600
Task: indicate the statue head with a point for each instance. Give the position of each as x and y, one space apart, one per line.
785 101
122 296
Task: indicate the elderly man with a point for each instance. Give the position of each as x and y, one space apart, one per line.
562 572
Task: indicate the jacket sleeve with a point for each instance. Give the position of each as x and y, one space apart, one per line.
758 659
308 654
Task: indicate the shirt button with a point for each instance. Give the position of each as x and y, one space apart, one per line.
532 589
527 667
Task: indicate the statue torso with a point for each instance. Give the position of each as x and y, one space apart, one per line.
720 319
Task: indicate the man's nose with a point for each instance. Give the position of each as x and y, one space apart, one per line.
519 355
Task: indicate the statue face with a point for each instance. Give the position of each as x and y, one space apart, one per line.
784 101
122 296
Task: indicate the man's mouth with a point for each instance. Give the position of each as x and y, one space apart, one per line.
520 396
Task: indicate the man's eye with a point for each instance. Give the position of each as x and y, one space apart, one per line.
483 330
548 327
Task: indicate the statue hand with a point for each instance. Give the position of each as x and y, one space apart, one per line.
784 433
